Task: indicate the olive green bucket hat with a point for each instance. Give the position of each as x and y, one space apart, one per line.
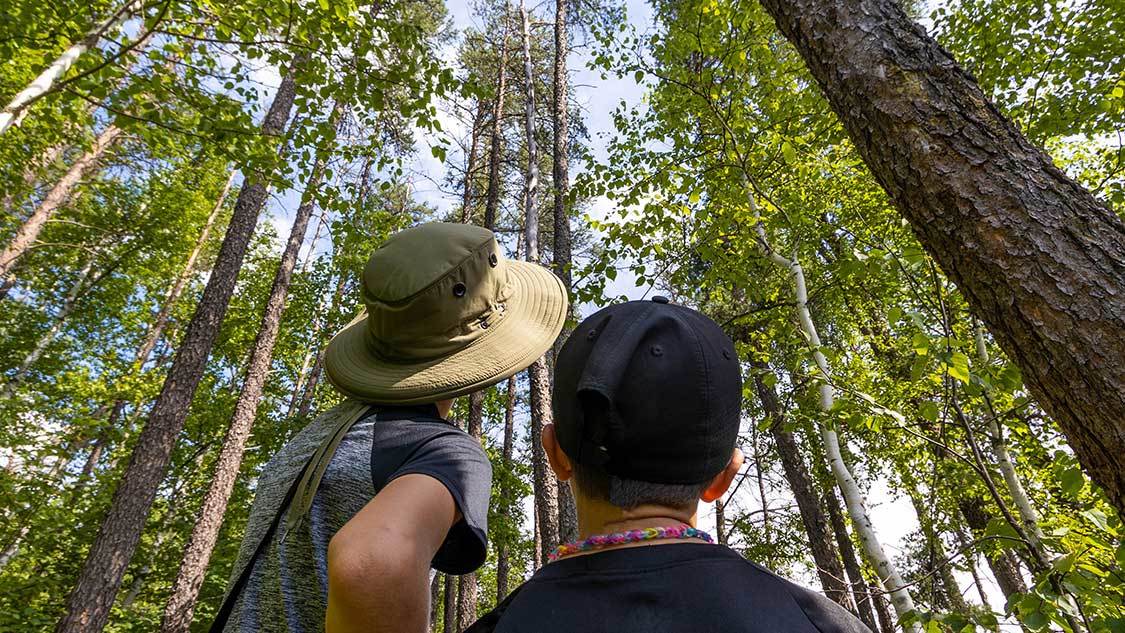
445 314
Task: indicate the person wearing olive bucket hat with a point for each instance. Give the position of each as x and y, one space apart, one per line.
350 515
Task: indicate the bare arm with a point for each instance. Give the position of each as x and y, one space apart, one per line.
379 562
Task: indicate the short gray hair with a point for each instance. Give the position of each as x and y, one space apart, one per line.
630 493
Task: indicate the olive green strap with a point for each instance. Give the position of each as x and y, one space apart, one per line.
351 412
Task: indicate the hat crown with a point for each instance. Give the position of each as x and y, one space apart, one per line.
649 391
433 289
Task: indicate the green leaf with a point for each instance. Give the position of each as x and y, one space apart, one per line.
958 367
920 343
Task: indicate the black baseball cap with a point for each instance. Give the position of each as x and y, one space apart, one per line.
649 391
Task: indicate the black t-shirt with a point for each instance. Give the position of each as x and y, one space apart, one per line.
673 588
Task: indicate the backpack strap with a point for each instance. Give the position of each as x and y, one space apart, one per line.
236 589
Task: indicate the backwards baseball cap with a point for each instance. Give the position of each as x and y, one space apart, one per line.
648 391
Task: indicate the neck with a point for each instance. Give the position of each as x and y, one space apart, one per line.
598 517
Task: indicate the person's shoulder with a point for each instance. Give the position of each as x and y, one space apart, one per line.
825 615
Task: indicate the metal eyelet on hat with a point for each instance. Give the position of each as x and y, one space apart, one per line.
656 350
493 260
484 324
459 289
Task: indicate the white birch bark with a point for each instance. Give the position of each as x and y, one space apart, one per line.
17 108
854 499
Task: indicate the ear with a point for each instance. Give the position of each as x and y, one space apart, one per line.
560 463
719 485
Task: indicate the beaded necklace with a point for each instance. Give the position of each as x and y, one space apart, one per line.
599 541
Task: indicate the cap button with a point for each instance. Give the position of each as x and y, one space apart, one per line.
659 299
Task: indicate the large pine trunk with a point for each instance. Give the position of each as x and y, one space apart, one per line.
59 194
1039 259
87 607
828 565
544 483
560 164
181 604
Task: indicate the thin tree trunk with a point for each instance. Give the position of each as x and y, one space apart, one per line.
946 591
492 202
860 590
853 497
435 600
470 165
466 601
172 295
88 605
29 231
886 622
1039 259
77 289
543 480
1005 568
16 108
720 522
449 608
828 565
503 553
185 591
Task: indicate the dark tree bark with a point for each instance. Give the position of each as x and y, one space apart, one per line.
449 606
88 605
435 600
1039 259
886 621
503 554
470 166
828 565
720 522
860 589
1005 568
185 590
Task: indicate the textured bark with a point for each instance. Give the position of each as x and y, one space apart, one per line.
449 606
1004 567
1038 258
544 482
860 590
946 593
503 562
89 603
828 565
560 165
470 167
435 600
886 622
467 591
492 201
29 231
172 295
720 522
185 590
46 81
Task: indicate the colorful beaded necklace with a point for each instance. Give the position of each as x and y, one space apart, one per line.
599 541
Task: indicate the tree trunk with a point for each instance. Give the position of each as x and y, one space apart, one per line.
466 601
945 589
560 163
860 590
470 165
543 480
435 600
77 289
854 500
1004 567
185 590
89 603
449 608
828 565
172 295
720 522
492 202
886 622
1038 258
45 82
503 553
29 231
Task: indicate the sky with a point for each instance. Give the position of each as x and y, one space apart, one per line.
596 98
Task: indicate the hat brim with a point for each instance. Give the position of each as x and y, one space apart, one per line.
534 315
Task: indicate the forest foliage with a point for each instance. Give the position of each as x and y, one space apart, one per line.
731 187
